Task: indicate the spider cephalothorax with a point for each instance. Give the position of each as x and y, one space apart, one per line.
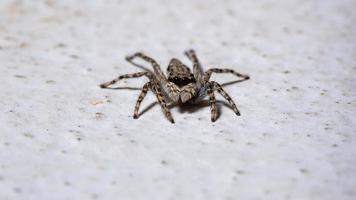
181 85
179 74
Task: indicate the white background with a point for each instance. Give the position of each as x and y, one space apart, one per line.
62 137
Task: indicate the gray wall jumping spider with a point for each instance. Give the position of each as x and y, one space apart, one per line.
181 86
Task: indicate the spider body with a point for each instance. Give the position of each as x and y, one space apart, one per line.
181 85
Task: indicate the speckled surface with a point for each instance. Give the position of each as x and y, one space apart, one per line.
62 137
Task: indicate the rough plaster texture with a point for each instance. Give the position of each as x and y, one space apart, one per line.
62 137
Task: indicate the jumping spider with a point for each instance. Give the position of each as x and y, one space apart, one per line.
181 86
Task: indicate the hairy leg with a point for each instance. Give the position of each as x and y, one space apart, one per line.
217 70
212 101
154 64
162 101
218 87
134 75
140 98
197 71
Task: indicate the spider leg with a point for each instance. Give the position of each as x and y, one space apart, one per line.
197 71
218 87
140 98
217 70
212 102
134 75
154 64
162 101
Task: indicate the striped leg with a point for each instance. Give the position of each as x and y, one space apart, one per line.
140 99
162 102
217 70
212 101
197 71
218 87
154 64
134 75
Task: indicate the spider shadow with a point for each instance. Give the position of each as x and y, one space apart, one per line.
123 88
149 107
233 82
189 107
194 107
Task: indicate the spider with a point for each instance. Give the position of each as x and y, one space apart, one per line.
181 86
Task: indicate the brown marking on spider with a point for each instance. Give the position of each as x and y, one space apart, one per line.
181 86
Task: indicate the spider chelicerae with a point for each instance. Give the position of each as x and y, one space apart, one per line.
181 86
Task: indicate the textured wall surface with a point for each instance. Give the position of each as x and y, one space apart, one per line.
62 137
